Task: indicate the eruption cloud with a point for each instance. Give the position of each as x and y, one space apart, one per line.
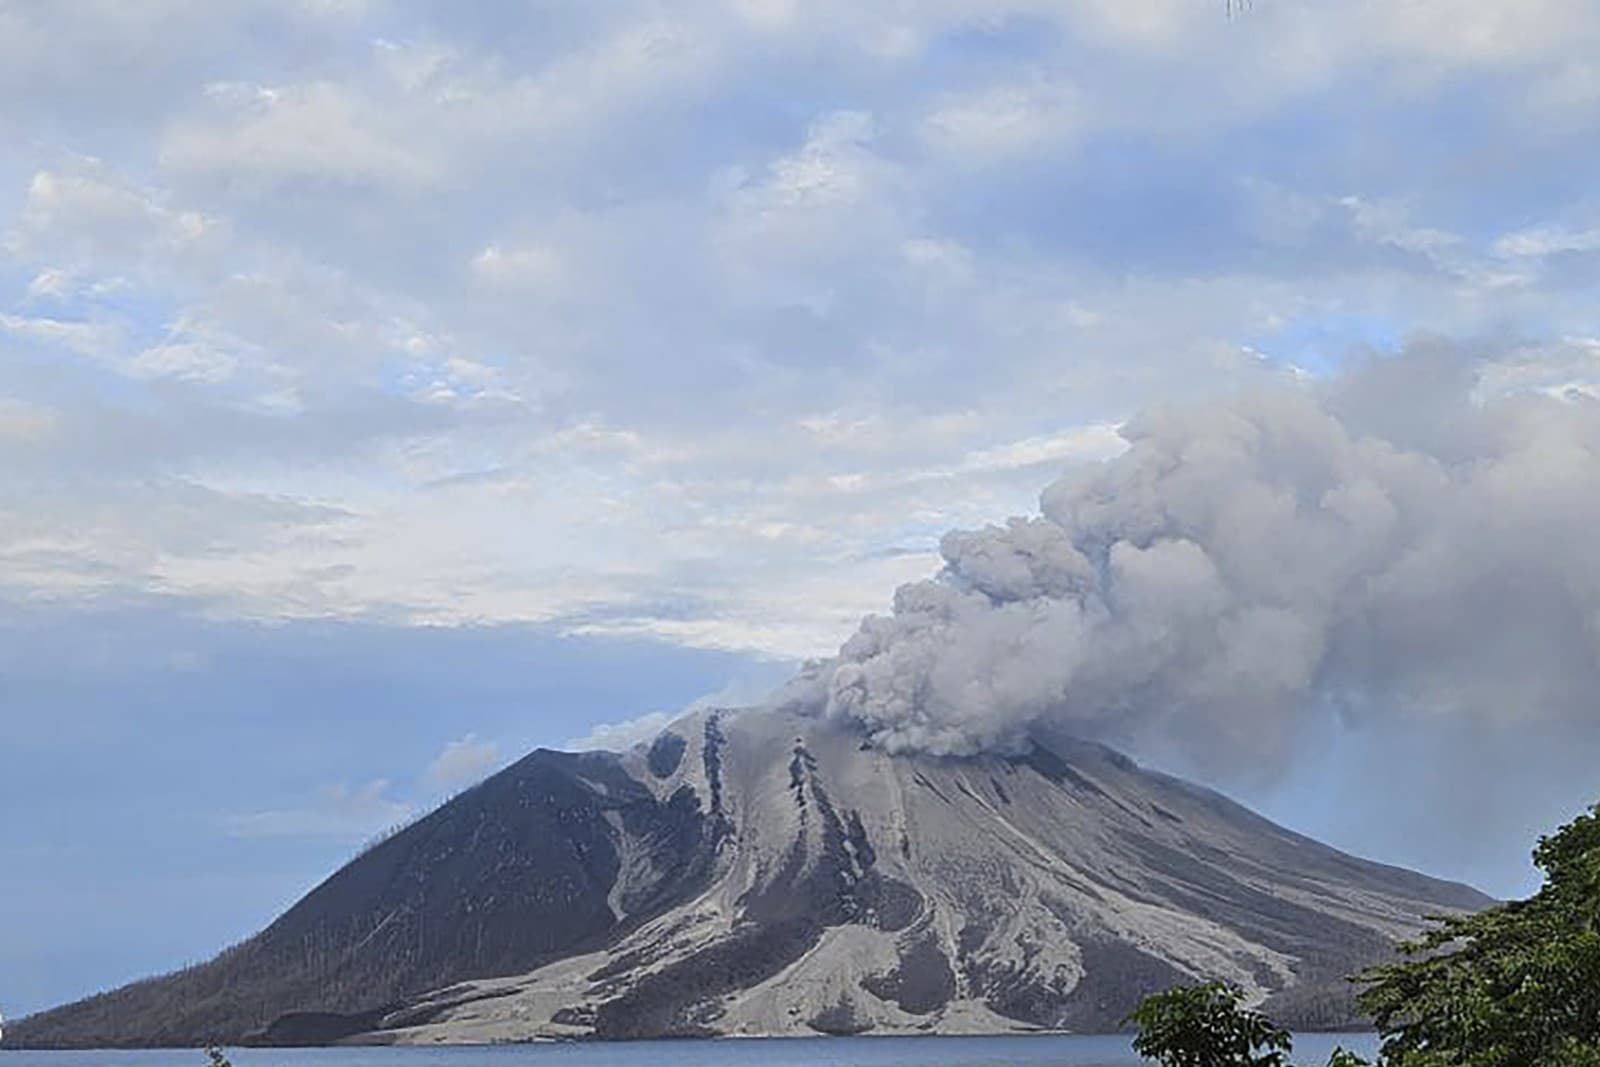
1403 544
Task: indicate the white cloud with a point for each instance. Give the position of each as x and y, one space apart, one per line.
991 124
829 192
1481 31
523 266
745 690
1541 241
187 361
828 170
1090 443
338 811
1142 23
767 15
621 736
84 338
49 283
98 217
462 763
320 130
1388 223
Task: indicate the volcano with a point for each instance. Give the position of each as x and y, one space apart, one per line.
762 873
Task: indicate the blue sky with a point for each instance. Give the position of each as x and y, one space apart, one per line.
388 387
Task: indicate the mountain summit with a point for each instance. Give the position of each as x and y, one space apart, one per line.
769 873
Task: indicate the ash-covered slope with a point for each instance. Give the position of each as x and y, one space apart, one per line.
766 874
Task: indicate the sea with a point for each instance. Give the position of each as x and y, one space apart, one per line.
1044 1050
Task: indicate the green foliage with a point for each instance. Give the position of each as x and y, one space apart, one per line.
1205 1026
1517 985
1513 986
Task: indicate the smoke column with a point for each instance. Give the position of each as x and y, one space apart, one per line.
1407 546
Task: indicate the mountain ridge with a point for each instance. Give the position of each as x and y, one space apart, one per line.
769 873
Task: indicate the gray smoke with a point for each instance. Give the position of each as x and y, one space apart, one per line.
1409 542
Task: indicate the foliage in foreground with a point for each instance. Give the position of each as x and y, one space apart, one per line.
1208 1026
1517 985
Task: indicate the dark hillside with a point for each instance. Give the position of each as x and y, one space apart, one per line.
509 874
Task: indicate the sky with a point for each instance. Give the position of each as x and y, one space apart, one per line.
387 388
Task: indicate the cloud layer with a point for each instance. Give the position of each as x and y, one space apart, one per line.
631 320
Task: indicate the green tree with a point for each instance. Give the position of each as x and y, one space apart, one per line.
1207 1026
1517 985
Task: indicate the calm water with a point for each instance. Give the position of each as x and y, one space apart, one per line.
1311 1050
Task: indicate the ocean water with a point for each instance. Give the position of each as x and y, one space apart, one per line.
1311 1050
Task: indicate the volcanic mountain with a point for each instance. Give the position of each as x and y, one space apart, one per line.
767 873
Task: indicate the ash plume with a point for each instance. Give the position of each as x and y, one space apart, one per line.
1407 543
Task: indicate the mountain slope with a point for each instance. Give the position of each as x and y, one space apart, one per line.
514 872
762 873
